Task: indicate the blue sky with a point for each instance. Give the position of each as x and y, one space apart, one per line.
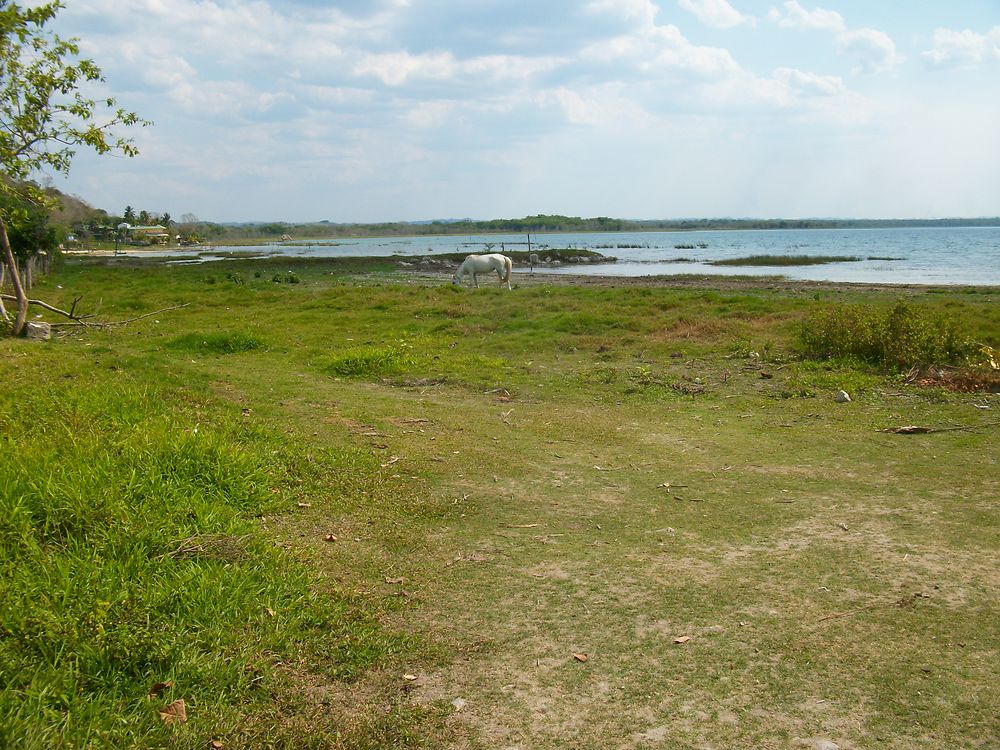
385 110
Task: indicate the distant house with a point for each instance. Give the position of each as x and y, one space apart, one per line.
151 235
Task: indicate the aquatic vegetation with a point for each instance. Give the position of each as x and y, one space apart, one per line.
784 260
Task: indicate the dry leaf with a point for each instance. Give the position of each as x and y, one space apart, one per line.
216 745
174 713
330 538
159 688
580 657
409 677
270 612
394 580
304 505
682 639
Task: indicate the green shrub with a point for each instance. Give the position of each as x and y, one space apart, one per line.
217 343
369 361
898 337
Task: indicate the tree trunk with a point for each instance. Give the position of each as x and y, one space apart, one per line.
3 277
11 262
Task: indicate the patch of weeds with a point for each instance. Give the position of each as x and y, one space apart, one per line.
603 375
236 278
289 277
812 378
370 362
217 343
746 348
892 338
785 260
643 380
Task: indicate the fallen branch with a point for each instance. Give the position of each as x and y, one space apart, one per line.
83 320
123 322
71 314
917 430
904 602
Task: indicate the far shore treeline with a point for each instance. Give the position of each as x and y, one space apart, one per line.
88 223
556 223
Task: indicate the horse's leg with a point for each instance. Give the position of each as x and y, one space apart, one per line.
474 280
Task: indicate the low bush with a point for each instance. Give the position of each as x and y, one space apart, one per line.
894 338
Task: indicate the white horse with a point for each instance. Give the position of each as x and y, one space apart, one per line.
484 264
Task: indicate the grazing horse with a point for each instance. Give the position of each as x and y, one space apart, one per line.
484 264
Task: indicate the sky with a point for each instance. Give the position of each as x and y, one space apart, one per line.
409 110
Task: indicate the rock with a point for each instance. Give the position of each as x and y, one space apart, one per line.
38 331
842 397
459 704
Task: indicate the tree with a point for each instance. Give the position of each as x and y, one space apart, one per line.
144 217
129 215
166 221
44 117
32 237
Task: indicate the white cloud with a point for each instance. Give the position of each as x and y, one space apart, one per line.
957 49
797 17
642 11
673 51
810 84
397 68
718 14
874 51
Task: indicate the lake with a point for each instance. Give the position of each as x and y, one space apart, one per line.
911 255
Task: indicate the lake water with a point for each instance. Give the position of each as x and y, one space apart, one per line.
937 255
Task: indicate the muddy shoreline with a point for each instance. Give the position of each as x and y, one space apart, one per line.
712 282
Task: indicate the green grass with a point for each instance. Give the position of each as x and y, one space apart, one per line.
216 343
369 361
133 554
511 478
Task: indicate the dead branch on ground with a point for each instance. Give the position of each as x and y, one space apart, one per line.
84 320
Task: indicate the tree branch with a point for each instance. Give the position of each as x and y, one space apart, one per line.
82 320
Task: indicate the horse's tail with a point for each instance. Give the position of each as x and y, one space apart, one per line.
508 265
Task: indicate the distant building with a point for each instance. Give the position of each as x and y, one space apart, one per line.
151 235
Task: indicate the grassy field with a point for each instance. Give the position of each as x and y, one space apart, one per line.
336 505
